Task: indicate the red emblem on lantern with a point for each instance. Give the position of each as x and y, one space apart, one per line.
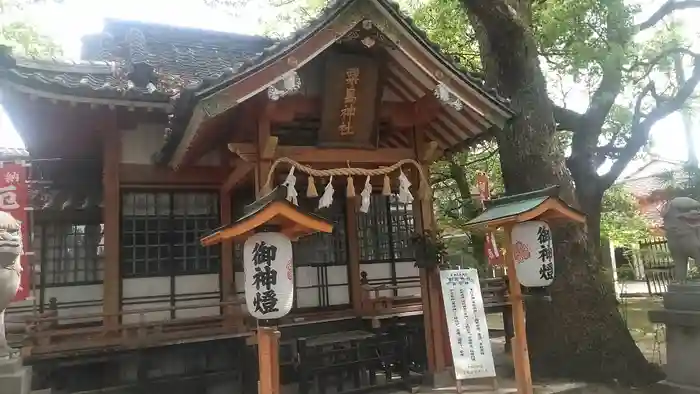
520 252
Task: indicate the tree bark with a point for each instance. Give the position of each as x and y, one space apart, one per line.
580 334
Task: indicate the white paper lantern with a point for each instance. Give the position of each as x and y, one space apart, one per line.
269 275
533 253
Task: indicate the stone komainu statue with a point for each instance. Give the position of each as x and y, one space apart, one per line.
10 270
682 225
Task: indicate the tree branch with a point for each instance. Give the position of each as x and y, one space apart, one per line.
459 175
567 119
653 62
610 84
483 158
641 124
665 10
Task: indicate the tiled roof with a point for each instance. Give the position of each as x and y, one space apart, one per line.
643 187
13 153
655 176
137 62
64 199
96 79
181 57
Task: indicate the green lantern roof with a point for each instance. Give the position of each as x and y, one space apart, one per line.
543 204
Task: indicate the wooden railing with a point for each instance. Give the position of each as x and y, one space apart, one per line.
51 333
375 301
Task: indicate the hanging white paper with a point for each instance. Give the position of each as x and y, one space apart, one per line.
366 196
466 322
290 184
404 195
533 253
327 198
269 275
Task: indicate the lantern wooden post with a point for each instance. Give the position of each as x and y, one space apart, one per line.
268 360
521 357
505 213
288 222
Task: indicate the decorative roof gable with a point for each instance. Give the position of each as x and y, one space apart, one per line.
333 24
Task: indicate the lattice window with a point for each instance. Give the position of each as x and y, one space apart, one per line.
321 263
70 253
401 227
194 215
161 232
384 233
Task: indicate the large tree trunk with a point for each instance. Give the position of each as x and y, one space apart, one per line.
580 334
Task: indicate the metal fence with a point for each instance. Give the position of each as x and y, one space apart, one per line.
658 264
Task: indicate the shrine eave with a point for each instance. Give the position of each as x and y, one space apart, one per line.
91 82
285 56
542 204
270 210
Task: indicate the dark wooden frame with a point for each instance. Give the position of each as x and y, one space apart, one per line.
98 267
170 232
385 203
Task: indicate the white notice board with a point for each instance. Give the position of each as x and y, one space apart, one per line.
466 322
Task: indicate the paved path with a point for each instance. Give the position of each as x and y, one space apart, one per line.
636 287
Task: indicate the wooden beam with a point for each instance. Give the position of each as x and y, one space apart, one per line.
309 154
269 147
287 108
111 153
262 165
145 174
429 152
241 170
419 112
244 151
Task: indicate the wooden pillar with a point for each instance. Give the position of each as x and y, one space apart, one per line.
111 157
353 255
521 358
267 337
433 314
228 278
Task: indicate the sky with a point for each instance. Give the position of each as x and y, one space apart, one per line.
68 21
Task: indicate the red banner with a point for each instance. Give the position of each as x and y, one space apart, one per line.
482 183
14 199
490 246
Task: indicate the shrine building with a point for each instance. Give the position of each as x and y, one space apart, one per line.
161 134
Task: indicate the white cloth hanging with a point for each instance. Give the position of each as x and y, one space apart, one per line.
404 196
290 183
327 198
366 196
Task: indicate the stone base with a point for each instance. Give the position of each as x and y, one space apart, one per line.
15 378
671 388
681 315
437 379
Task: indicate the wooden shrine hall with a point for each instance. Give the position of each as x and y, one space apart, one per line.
160 135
